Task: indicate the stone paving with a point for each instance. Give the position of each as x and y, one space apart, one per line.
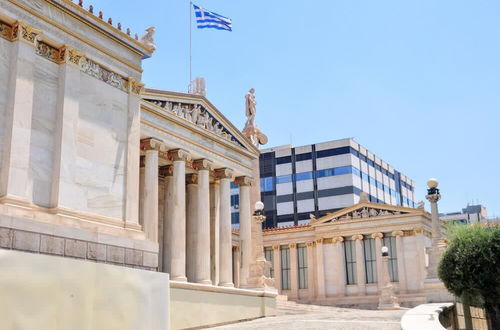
296 316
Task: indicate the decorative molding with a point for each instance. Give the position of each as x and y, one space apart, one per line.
68 55
243 181
357 237
196 114
178 155
364 213
310 244
95 70
292 245
337 239
328 240
319 240
379 235
151 144
418 231
276 247
134 86
223 173
23 32
202 165
192 178
398 233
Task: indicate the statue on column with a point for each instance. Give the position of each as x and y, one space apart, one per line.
251 131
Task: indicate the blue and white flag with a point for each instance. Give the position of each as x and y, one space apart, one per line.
207 19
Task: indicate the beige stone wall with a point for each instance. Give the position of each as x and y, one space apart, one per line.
47 292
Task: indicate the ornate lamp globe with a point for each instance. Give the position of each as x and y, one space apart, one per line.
432 183
385 251
259 206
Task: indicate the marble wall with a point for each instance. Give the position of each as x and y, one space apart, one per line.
5 50
101 148
46 82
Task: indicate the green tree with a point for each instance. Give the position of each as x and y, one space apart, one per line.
470 267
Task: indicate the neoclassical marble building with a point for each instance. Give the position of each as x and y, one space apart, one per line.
337 260
95 167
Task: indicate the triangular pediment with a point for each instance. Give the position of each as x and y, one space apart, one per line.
366 210
198 111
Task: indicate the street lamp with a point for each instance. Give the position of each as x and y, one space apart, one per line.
259 208
385 251
387 299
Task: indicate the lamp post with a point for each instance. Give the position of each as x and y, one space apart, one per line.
387 299
438 245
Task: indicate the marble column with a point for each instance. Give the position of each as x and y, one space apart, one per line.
166 173
294 268
215 231
400 259
321 295
245 227
65 132
438 245
225 230
420 247
16 183
151 170
202 273
311 287
237 266
191 225
378 248
133 154
277 266
360 264
176 217
340 280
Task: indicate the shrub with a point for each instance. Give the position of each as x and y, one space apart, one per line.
470 267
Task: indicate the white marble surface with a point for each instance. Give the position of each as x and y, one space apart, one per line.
5 51
42 129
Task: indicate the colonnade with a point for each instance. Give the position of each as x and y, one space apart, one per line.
197 243
317 265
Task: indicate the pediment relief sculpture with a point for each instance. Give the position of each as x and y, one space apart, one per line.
198 115
364 213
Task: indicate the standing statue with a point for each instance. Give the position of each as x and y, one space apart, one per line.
251 131
147 39
250 106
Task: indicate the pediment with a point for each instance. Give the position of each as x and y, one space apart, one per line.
366 210
198 111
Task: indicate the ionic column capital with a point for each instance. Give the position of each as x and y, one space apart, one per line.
25 33
357 237
243 181
310 244
178 155
319 240
151 144
202 165
134 86
167 170
398 233
338 239
378 235
276 247
68 55
418 231
192 178
292 245
223 173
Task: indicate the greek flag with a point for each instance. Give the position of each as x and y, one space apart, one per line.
207 19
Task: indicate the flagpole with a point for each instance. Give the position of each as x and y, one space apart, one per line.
190 45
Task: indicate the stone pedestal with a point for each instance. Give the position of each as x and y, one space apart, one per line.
387 299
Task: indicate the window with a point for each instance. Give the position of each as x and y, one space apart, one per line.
302 263
235 218
390 242
285 267
303 176
372 181
284 178
235 200
343 170
268 253
350 261
370 260
364 176
370 162
333 152
266 184
284 160
300 157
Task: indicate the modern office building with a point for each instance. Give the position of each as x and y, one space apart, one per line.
324 177
471 214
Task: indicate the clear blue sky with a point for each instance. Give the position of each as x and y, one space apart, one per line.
417 82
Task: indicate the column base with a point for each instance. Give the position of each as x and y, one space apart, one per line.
205 282
179 279
227 285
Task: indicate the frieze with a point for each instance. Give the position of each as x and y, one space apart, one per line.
365 212
47 51
95 70
6 31
198 115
